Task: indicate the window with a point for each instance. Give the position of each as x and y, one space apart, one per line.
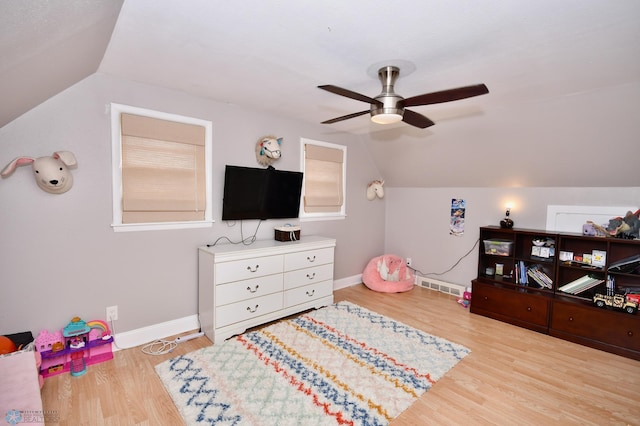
161 170
324 182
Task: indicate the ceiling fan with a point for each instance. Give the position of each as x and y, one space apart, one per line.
389 107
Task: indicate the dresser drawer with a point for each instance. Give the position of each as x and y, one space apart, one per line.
247 309
511 303
307 293
249 268
308 276
305 259
615 328
247 289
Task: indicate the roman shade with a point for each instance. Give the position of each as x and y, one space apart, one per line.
323 179
163 170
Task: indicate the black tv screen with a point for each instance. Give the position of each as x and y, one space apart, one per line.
253 193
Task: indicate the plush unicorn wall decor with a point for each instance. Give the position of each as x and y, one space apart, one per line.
52 173
375 189
268 150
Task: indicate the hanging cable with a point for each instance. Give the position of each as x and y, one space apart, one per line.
246 241
424 274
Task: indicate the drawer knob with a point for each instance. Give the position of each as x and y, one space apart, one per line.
528 308
311 259
311 293
311 276
630 333
252 310
250 269
254 290
570 318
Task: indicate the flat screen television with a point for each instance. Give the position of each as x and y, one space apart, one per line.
253 193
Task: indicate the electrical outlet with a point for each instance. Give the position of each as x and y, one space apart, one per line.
112 313
408 261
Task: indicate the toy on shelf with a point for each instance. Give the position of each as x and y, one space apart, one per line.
78 345
618 301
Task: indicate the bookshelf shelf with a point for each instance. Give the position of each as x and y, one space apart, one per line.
548 282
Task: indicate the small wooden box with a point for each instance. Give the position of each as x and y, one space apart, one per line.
287 233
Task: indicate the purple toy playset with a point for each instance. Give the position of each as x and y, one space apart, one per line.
76 346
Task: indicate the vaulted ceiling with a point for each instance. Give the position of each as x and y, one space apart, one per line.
564 76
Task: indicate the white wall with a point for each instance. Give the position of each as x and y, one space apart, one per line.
60 258
417 220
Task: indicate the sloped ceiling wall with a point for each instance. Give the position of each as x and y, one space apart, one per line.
564 77
48 46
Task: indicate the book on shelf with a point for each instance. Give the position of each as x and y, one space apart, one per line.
598 258
565 256
540 277
521 273
611 285
581 284
532 274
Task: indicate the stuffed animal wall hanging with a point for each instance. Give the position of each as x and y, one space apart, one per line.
51 173
268 150
375 189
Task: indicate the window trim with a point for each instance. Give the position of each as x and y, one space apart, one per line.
116 170
342 214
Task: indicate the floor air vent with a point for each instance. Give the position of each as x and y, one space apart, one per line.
442 286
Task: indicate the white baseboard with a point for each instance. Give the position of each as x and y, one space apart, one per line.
347 282
140 336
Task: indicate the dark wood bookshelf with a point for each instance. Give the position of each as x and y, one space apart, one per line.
518 298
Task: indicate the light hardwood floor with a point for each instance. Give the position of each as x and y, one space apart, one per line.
512 376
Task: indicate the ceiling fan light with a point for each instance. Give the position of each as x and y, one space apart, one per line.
386 118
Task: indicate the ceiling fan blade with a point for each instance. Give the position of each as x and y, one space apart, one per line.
417 120
346 117
349 94
445 95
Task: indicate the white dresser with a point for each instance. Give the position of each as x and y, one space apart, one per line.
244 286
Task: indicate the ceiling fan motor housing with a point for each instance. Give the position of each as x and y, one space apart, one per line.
388 107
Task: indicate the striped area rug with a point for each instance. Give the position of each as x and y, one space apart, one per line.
341 364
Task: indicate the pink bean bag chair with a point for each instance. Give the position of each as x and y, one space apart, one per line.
388 274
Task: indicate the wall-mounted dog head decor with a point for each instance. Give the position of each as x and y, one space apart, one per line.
268 150
375 189
52 173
